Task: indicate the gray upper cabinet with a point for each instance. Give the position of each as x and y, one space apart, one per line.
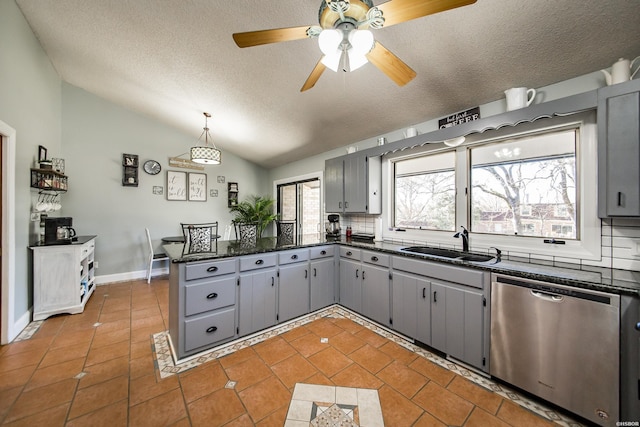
619 150
334 184
353 184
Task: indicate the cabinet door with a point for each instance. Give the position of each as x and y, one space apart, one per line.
619 150
351 284
355 184
375 293
322 274
333 185
411 309
56 280
457 322
293 291
257 301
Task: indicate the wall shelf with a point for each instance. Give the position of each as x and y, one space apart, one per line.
49 180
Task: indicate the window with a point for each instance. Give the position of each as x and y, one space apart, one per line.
299 201
425 192
515 188
530 179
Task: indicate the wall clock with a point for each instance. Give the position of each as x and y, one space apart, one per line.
152 167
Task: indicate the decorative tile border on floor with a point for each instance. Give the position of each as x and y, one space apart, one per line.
167 366
322 405
28 332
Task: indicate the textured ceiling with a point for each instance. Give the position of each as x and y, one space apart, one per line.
173 59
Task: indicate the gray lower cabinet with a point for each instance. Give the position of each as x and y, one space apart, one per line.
454 309
258 293
375 287
411 309
457 318
619 150
293 284
351 278
323 276
202 304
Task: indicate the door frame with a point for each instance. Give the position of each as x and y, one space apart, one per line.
7 281
306 177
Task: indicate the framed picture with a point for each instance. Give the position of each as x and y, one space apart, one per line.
176 185
130 160
220 179
158 189
42 153
213 193
197 187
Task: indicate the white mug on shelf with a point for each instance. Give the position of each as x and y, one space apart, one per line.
519 97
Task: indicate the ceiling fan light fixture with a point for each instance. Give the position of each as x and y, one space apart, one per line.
332 61
330 41
361 41
207 154
356 60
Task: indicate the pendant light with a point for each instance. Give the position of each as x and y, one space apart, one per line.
206 154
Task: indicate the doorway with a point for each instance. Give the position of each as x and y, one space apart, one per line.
7 232
300 201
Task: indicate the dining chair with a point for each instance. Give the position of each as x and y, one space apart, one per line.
286 232
200 237
153 256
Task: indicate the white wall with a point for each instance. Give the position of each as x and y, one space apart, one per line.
95 135
30 96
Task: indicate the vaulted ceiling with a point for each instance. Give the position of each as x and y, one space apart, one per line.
174 59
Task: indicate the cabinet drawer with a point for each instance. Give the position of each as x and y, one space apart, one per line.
87 248
322 252
254 262
209 329
199 270
209 296
442 271
376 258
288 257
346 252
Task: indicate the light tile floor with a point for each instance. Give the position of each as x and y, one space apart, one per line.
105 368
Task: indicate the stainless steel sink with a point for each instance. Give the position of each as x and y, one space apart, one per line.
447 253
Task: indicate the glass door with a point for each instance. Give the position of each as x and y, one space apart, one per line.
300 202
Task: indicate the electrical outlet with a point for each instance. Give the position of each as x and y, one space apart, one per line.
95 264
35 216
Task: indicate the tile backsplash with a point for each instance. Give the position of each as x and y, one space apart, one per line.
620 243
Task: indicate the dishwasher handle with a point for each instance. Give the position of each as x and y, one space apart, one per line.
546 296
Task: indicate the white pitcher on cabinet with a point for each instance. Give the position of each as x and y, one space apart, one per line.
620 71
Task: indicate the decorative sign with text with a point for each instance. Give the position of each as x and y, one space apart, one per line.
459 118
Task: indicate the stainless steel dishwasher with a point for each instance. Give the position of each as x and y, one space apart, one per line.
559 343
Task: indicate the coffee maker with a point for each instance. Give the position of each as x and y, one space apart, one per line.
58 231
333 225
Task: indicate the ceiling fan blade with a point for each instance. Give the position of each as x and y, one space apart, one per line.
256 38
314 76
390 64
398 11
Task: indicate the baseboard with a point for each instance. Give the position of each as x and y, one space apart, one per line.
130 275
19 325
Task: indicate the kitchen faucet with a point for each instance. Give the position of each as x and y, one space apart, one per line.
465 238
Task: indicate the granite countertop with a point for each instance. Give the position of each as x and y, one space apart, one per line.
588 277
81 240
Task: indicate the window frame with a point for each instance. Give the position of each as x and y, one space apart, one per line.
587 248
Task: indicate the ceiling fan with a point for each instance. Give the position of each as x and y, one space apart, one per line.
344 36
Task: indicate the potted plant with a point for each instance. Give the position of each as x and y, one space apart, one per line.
256 210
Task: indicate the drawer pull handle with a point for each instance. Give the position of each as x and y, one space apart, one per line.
273 281
258 262
374 258
357 272
212 295
306 274
424 295
435 296
211 329
294 256
349 253
315 273
212 269
323 252
619 198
